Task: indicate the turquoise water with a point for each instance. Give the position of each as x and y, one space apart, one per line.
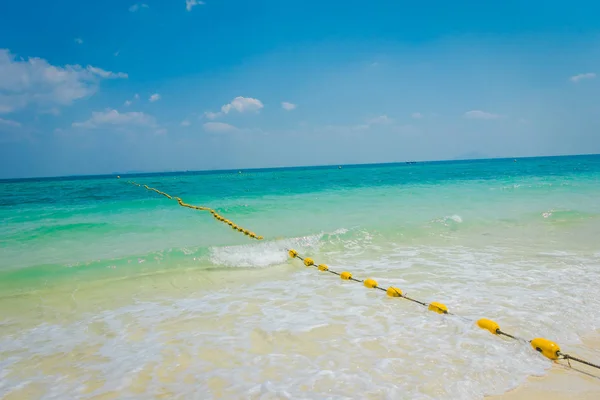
499 237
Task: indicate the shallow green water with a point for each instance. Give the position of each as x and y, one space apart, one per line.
55 228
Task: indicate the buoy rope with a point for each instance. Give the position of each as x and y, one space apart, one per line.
548 348
216 215
569 357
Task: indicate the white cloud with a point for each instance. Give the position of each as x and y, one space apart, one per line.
219 127
154 97
242 104
8 122
127 103
35 81
478 114
137 7
78 40
417 115
185 123
239 104
288 106
114 118
381 120
189 4
580 77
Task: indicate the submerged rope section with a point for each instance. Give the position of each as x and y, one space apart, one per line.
216 215
549 349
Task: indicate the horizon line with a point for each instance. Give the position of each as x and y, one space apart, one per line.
257 169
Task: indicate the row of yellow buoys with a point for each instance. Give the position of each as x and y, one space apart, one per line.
547 347
217 216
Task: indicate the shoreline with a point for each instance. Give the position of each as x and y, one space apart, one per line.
65 304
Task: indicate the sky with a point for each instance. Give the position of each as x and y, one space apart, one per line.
124 86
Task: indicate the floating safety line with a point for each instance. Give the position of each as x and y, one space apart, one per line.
216 215
548 348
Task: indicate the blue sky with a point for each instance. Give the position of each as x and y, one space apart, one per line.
116 86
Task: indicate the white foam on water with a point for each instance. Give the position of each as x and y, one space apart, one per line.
311 335
260 254
455 218
449 220
268 253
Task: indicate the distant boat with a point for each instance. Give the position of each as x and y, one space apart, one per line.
411 162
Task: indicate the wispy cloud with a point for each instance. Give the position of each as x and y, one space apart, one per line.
417 115
288 106
35 81
211 115
107 74
137 7
478 114
185 123
219 127
130 102
114 118
11 123
380 120
78 40
154 97
189 4
52 111
580 77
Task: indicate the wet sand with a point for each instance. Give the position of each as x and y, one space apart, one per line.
562 382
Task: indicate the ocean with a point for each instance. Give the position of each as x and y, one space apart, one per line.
108 290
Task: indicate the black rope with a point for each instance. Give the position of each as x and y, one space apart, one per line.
499 332
568 357
416 301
